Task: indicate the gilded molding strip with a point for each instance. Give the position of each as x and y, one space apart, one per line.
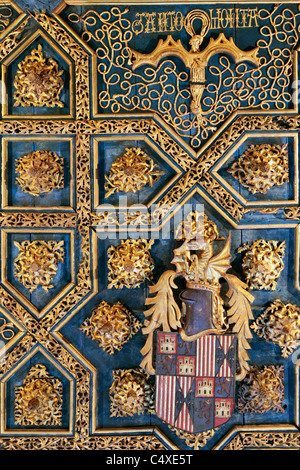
107 442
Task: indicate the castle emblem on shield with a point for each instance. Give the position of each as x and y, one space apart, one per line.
197 352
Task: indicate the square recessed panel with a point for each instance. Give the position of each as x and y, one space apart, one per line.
13 197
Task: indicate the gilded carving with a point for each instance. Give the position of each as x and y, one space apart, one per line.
262 390
121 441
40 172
268 440
129 264
37 262
131 393
194 440
261 167
194 260
38 81
38 402
197 225
131 171
111 326
5 15
6 329
196 172
262 263
280 324
195 59
231 89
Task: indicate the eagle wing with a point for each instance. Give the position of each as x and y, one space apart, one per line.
239 313
163 311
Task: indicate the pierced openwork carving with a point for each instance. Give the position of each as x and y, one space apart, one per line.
38 81
194 440
280 324
262 390
38 402
113 32
131 393
262 166
262 263
40 172
111 326
131 171
37 262
129 264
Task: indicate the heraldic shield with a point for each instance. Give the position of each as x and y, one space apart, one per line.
195 380
197 350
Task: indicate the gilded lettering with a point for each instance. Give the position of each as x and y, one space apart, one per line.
178 21
150 22
230 18
162 22
137 25
253 16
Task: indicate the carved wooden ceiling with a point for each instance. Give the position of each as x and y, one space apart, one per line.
111 110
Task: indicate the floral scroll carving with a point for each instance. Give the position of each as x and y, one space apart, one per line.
262 166
131 171
38 81
262 263
130 264
280 324
131 393
262 390
111 326
40 172
37 263
39 400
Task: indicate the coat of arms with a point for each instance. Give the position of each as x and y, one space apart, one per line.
198 351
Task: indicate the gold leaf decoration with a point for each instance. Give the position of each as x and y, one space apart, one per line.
40 172
131 171
280 324
37 262
131 393
261 167
129 264
111 326
239 313
262 390
38 81
163 311
262 263
39 400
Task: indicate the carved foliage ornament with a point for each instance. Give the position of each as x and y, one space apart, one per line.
111 326
130 264
38 402
262 263
40 172
280 324
37 263
261 167
38 81
130 172
131 393
197 224
262 390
